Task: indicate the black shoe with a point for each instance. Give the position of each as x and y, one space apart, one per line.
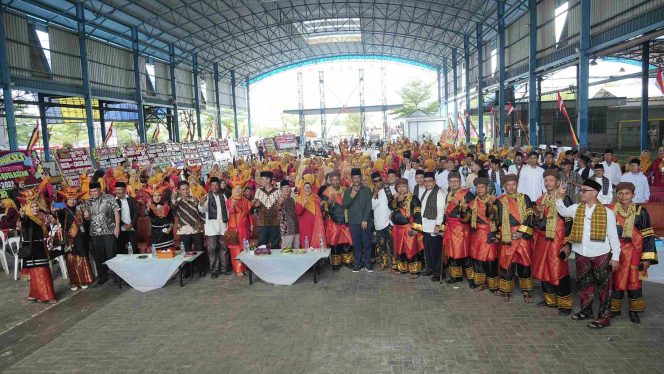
451 280
101 281
335 268
369 269
616 314
564 312
472 286
435 278
427 272
228 272
634 317
115 280
357 269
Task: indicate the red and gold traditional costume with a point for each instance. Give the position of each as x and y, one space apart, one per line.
337 231
481 216
310 219
408 249
239 218
457 236
77 242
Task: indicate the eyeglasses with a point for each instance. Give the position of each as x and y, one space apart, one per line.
584 190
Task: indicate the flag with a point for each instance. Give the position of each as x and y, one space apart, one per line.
472 125
109 133
510 108
34 138
186 137
209 133
660 81
491 110
155 134
563 110
450 122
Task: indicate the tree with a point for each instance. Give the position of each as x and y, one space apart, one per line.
416 95
352 122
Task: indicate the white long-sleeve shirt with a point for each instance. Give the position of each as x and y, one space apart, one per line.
429 224
612 172
603 198
410 175
531 182
587 247
381 210
441 180
214 226
642 191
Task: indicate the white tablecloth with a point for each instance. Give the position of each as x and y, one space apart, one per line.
146 274
281 269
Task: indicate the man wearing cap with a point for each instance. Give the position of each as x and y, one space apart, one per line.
288 221
433 205
532 183
357 200
516 229
611 169
268 202
636 177
457 233
418 189
594 238
213 206
584 169
605 195
481 216
381 218
337 232
103 212
570 179
128 218
637 252
517 166
549 262
496 173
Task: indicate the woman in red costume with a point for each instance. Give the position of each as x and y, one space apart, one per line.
240 219
310 217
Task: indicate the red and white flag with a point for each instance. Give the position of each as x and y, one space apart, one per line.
109 133
155 134
660 81
563 110
510 108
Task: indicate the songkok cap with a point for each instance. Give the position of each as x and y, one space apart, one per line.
608 150
403 181
495 161
551 173
625 186
267 174
585 158
598 166
429 174
375 175
510 178
215 180
568 152
284 183
518 154
355 171
334 174
566 162
635 161
533 153
120 184
419 172
453 175
390 171
95 185
592 184
406 154
481 180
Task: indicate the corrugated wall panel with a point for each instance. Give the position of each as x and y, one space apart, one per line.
241 95
225 94
546 35
473 68
185 83
209 94
143 72
516 41
162 78
111 68
65 56
574 22
606 14
18 50
486 62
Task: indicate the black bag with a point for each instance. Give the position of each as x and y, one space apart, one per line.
26 247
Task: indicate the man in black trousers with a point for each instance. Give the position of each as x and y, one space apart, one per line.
128 219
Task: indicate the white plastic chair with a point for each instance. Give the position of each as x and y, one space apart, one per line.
63 265
3 254
14 245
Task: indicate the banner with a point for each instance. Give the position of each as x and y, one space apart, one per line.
242 147
108 157
72 162
159 154
136 154
175 154
23 166
190 152
285 142
268 144
207 158
219 145
448 136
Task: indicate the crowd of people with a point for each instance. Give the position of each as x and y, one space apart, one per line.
422 210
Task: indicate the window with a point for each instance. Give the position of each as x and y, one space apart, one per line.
152 79
494 61
560 19
330 30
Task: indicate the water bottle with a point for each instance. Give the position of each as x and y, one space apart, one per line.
182 250
154 251
321 243
306 242
245 245
130 249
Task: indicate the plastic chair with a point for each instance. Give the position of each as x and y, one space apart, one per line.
63 265
14 245
3 254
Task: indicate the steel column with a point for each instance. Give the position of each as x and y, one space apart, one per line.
584 73
174 93
237 130
44 127
87 93
532 74
5 81
321 94
440 97
446 93
501 72
197 95
645 77
300 109
466 60
102 120
217 99
540 133
455 78
137 85
246 86
480 94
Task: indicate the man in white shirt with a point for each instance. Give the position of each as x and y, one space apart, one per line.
381 217
419 189
611 169
595 241
441 177
605 195
517 166
531 179
213 205
433 206
636 177
409 174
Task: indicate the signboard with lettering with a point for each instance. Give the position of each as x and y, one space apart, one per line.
108 157
136 154
285 141
72 162
21 166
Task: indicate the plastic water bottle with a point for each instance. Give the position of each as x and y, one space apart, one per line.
321 243
306 242
130 249
182 250
245 245
154 251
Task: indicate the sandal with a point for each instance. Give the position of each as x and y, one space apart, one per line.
53 301
598 324
506 297
481 287
32 299
414 276
497 293
580 316
527 298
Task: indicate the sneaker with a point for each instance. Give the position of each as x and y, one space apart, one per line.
369 269
74 288
84 287
356 269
